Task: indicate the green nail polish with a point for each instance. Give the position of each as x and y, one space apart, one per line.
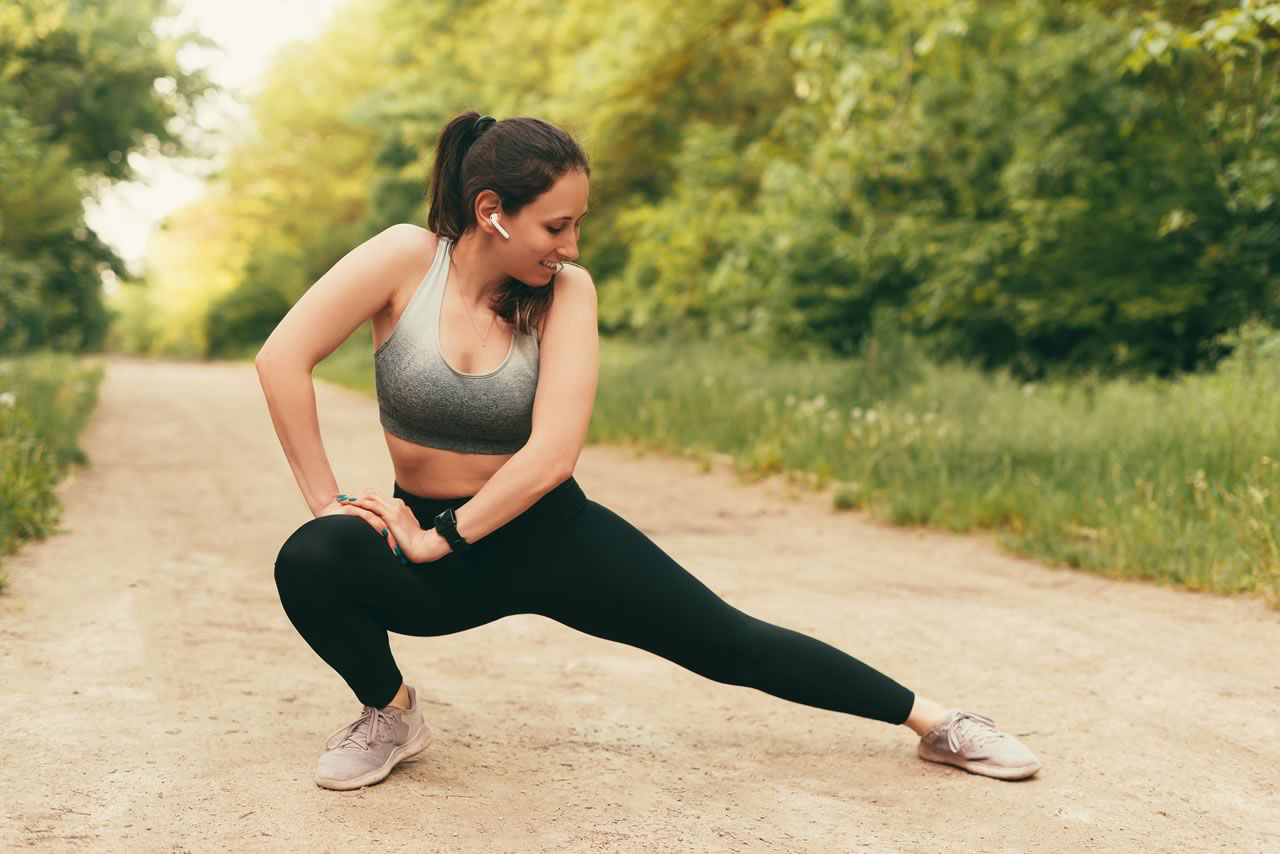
384 532
398 552
405 562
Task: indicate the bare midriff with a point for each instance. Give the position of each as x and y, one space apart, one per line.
437 472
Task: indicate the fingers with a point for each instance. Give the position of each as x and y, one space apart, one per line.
373 519
380 512
371 497
378 525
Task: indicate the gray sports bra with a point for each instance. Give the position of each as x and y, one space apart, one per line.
422 399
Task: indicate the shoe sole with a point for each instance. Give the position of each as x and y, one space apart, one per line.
410 748
997 771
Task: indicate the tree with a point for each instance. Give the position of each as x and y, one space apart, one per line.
83 83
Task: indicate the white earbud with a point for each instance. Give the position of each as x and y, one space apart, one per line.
493 218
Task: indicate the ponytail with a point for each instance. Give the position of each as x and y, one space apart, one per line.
448 206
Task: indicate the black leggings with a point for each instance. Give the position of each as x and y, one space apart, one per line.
565 557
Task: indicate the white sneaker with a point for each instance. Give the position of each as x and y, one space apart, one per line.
364 751
972 742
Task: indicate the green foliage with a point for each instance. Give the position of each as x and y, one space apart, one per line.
246 314
1075 187
1171 480
992 169
82 84
45 401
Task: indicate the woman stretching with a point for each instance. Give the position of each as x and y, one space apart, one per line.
485 518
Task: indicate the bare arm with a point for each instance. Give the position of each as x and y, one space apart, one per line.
351 292
291 398
568 361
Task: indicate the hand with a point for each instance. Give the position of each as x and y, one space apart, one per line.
392 518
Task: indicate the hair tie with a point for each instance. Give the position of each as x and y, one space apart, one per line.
481 123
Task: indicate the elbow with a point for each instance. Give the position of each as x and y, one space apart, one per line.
269 360
263 366
267 354
554 468
563 473
557 473
549 459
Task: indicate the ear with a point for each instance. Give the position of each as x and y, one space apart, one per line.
487 202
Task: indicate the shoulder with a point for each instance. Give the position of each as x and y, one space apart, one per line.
576 280
573 287
404 239
407 251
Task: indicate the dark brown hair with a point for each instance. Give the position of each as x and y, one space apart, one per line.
519 159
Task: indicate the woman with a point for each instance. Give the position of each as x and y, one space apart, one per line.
485 518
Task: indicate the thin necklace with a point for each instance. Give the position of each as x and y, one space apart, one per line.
483 341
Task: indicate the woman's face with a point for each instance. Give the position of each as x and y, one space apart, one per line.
547 229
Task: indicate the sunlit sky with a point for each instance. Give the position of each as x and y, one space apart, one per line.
249 32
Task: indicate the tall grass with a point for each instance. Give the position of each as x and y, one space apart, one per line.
1171 480
1175 481
45 401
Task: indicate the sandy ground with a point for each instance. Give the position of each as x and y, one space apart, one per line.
155 698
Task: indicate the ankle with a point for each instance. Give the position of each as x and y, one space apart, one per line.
925 714
401 699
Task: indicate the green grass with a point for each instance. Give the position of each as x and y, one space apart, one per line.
45 401
1175 481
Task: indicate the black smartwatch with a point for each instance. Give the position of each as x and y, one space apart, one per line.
447 526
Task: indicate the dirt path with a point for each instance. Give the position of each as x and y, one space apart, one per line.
154 697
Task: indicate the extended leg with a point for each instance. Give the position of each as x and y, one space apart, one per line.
610 580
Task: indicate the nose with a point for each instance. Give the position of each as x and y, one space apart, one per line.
571 254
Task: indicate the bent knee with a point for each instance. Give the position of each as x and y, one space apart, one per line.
318 546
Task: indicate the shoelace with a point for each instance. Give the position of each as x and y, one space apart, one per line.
975 729
357 734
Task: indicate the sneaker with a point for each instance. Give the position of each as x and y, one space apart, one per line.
972 742
364 751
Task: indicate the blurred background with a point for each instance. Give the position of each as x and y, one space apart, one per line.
996 264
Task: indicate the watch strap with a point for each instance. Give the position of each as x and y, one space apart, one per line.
446 524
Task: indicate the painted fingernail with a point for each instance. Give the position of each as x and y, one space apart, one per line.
405 562
342 498
384 532
398 552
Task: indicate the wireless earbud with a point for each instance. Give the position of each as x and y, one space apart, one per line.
493 218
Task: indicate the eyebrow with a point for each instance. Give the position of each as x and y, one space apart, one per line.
566 216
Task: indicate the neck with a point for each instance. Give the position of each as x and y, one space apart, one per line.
476 268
